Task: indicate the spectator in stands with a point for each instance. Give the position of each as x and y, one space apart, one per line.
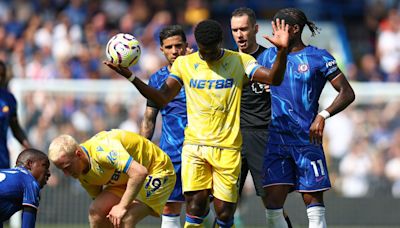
355 168
388 47
392 168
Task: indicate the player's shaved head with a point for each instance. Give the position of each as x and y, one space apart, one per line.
30 155
62 145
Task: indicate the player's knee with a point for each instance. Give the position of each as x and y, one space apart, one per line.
130 220
197 209
95 213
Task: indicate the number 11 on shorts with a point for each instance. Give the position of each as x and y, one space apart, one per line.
315 165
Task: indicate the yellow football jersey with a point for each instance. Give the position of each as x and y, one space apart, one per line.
111 153
213 91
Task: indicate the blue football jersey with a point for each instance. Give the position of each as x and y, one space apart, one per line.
295 102
18 188
174 118
7 111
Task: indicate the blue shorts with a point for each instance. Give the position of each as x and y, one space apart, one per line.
177 195
304 167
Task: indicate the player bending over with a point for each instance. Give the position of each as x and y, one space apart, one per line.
20 186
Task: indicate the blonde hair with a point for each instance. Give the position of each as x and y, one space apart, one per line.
62 145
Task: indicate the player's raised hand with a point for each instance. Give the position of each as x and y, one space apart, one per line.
280 31
124 71
317 130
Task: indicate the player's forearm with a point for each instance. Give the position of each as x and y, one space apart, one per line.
345 97
28 218
149 122
147 129
279 67
135 183
150 93
19 134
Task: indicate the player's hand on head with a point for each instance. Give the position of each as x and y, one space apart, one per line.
124 71
280 31
317 130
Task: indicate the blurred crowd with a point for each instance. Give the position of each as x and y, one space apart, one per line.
60 39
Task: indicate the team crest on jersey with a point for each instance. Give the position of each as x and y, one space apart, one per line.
99 149
196 65
112 157
303 68
225 65
257 87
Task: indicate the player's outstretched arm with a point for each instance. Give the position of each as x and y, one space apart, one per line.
280 39
160 97
28 217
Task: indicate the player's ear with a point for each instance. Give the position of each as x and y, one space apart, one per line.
256 28
78 152
296 28
29 164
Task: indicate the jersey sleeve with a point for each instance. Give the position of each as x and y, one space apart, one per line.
250 64
31 194
175 72
328 67
115 156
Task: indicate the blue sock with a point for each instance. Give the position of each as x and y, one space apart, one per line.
227 224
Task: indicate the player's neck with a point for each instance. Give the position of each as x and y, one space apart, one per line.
86 161
252 49
296 46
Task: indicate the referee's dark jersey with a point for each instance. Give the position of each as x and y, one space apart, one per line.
255 107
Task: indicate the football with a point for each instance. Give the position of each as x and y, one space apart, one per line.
123 49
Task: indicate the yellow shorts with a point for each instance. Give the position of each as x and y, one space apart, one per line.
155 191
207 167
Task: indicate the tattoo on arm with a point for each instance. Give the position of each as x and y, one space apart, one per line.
149 122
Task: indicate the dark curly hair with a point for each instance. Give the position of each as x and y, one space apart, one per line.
294 16
208 32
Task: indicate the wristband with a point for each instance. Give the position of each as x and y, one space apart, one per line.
325 114
132 77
